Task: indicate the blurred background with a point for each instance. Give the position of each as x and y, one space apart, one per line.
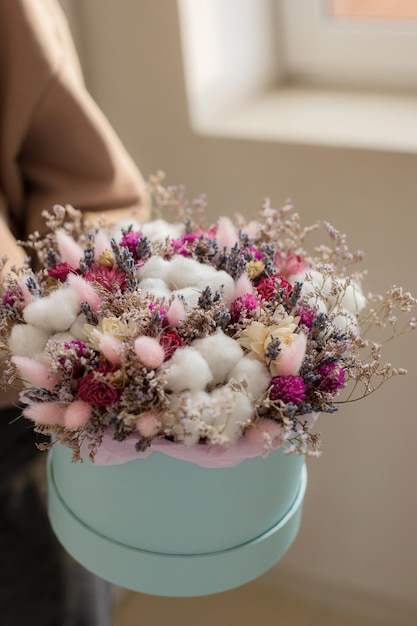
314 101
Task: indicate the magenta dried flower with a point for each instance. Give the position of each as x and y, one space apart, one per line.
288 389
306 316
130 240
97 391
243 304
60 272
106 277
11 297
268 286
332 377
170 341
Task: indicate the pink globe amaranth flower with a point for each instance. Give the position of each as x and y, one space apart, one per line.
60 272
106 277
268 287
289 264
130 240
288 389
306 316
97 392
170 341
332 377
243 306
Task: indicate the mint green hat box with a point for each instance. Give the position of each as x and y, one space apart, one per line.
169 527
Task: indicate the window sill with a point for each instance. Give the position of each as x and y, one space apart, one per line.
343 119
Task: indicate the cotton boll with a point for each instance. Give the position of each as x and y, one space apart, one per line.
77 328
57 312
156 267
62 337
220 352
159 230
27 340
156 287
187 370
346 322
353 299
232 424
223 282
254 372
186 272
189 295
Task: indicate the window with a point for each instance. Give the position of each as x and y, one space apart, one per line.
349 43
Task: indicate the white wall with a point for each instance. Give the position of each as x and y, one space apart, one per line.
358 539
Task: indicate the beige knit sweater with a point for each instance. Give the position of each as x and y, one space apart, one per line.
56 147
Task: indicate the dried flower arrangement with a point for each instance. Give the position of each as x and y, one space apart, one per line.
206 343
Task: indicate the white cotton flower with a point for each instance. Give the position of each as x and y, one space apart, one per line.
27 340
156 267
63 337
159 230
220 281
187 272
187 370
346 321
77 328
231 424
254 373
220 352
57 312
189 295
155 286
352 300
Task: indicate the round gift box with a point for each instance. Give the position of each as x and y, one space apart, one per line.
168 527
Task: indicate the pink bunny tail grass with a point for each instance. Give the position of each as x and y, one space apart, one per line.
110 347
148 425
85 292
226 233
35 373
243 286
149 351
176 312
69 250
101 243
292 358
27 296
46 413
77 414
262 430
